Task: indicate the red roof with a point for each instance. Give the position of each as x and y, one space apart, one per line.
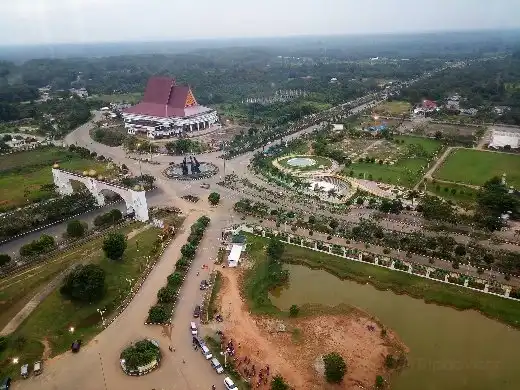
429 104
163 98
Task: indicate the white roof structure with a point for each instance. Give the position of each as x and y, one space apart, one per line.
336 127
234 255
499 139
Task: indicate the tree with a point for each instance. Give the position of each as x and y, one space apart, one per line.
86 283
214 198
335 367
3 343
4 259
334 224
175 279
158 314
166 294
114 245
275 249
75 228
278 383
140 354
188 250
294 310
380 382
460 250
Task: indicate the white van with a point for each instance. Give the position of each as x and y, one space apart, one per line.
217 366
206 352
229 384
193 328
24 371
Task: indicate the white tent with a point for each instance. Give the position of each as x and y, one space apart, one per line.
234 255
499 139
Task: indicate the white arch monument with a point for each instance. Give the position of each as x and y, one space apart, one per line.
135 200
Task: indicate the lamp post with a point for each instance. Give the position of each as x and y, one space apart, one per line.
101 312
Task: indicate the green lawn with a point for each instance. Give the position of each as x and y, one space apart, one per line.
23 174
55 315
477 166
501 309
393 108
131 97
406 172
463 196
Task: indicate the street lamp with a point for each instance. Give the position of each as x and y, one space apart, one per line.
101 312
71 329
15 360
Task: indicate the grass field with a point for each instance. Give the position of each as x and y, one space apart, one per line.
476 167
497 308
23 174
459 194
406 172
133 98
52 319
393 108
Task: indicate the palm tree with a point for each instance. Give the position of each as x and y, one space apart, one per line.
412 194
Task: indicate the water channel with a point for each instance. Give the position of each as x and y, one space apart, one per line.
449 349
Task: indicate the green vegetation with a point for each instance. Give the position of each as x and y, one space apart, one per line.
86 283
114 245
26 177
109 218
132 98
44 244
217 285
110 136
230 369
335 367
76 228
140 354
278 383
4 259
162 312
214 198
53 318
256 286
183 146
476 166
393 108
407 171
457 193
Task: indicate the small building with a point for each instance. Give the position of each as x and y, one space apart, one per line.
234 255
337 127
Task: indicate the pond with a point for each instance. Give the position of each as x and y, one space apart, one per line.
301 162
449 349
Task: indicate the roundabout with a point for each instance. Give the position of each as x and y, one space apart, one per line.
140 358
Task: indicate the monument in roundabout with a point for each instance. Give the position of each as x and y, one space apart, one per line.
190 169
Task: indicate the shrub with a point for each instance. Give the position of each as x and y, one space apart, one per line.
390 361
311 232
114 245
460 250
166 294
278 383
44 244
214 198
188 250
158 314
110 218
335 367
4 259
294 310
3 343
175 279
86 283
75 228
140 354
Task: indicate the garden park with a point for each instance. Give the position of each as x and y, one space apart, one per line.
93 279
26 177
474 167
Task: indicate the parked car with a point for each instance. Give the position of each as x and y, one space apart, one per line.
76 345
204 185
196 312
5 384
37 368
204 284
24 371
193 328
217 366
206 352
230 385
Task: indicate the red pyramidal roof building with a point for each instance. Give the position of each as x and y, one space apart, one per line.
168 109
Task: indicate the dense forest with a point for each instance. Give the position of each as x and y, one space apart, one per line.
483 85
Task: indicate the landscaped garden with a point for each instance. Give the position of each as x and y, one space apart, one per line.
476 167
401 161
305 163
26 177
71 312
141 357
393 108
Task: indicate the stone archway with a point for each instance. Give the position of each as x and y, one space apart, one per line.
135 200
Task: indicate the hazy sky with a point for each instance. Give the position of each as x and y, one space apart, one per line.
45 21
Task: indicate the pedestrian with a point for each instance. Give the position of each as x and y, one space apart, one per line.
183 361
170 348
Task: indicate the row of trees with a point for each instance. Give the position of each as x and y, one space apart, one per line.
161 312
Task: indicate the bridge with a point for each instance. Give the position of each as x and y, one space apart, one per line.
135 200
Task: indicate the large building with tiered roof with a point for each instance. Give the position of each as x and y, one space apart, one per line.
168 110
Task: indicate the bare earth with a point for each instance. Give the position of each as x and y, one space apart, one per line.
296 352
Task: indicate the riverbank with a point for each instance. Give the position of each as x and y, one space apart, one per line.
503 310
293 347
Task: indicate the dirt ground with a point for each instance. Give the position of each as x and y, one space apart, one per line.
294 347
